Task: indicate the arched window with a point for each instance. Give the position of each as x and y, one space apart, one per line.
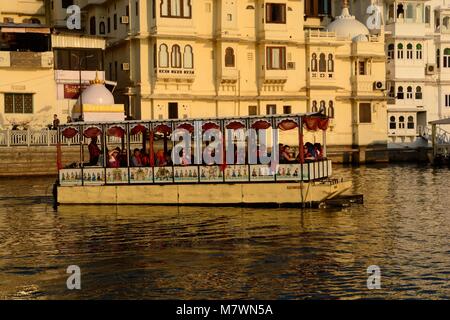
314 62
391 49
188 57
418 93
400 93
163 56
446 58
330 111
411 122
175 57
438 58
409 51
400 51
392 123
314 106
400 11
322 63
419 51
427 14
330 63
323 108
446 23
102 28
229 58
409 93
92 26
401 122
391 12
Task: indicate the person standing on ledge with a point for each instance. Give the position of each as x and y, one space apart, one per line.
55 122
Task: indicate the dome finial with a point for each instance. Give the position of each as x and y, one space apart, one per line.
97 79
345 4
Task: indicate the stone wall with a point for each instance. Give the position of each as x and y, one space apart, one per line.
21 161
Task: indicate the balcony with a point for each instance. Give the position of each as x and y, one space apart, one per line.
175 75
362 84
228 75
26 60
274 76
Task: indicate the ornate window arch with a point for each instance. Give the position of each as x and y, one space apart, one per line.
411 124
409 51
391 51
314 62
188 57
418 93
419 51
446 58
330 111
163 56
176 9
322 63
409 92
314 106
392 123
102 27
400 93
175 56
330 63
400 51
230 60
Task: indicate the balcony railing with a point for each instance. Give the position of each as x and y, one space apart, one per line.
176 74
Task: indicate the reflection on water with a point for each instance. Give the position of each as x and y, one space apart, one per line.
214 253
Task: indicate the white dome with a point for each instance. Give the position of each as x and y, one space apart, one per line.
347 26
97 94
361 38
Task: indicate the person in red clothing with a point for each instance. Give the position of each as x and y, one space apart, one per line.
94 152
114 158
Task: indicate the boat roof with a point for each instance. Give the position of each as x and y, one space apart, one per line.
441 121
192 120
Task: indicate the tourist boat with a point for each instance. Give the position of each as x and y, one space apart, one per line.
300 183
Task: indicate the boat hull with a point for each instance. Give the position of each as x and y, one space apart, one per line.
291 193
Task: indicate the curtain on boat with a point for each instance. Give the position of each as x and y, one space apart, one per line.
69 132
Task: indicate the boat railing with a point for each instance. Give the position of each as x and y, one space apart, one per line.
196 174
48 137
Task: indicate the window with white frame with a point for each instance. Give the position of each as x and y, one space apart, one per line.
276 58
391 49
409 51
419 51
400 51
401 122
175 58
419 93
392 123
409 92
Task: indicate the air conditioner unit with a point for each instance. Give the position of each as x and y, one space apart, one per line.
125 66
379 85
124 20
290 65
430 69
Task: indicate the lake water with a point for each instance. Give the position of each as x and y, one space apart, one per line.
135 252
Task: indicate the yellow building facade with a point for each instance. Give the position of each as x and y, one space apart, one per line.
204 58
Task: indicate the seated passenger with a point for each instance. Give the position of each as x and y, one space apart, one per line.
136 159
318 151
309 152
114 158
286 155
